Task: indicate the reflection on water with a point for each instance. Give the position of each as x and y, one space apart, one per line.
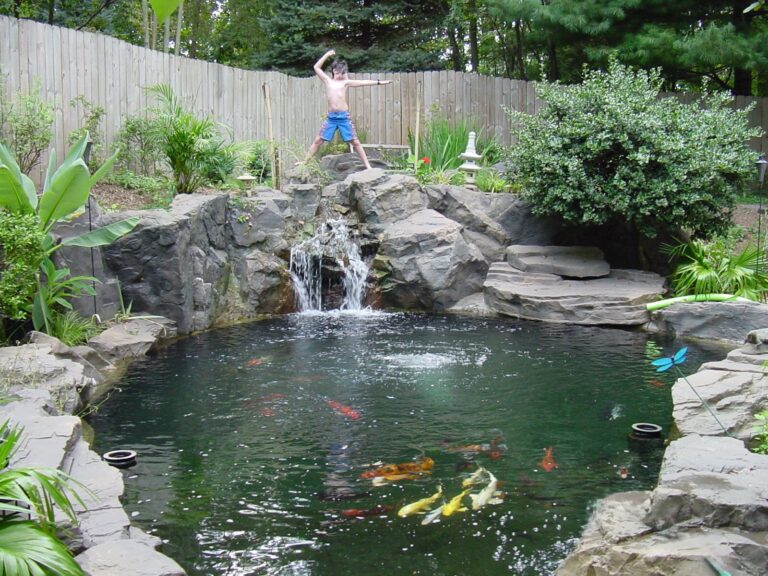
253 441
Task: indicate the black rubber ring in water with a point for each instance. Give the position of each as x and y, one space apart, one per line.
646 430
120 458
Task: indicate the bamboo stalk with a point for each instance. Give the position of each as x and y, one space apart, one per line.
273 149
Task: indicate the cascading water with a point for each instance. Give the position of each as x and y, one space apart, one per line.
332 241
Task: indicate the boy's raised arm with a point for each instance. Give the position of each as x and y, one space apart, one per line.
356 83
320 63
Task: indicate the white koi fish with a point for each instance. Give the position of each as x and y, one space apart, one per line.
420 505
474 479
487 494
432 516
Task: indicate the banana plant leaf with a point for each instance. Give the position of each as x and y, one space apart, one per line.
69 190
104 235
26 550
17 191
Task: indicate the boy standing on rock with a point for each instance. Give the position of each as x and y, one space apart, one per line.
338 110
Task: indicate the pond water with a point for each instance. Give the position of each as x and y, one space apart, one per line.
252 440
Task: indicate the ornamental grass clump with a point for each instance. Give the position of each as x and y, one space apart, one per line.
612 151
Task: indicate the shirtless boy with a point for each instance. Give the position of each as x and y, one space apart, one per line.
338 109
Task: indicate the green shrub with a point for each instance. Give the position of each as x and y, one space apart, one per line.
257 161
21 253
713 267
90 124
26 126
611 150
138 146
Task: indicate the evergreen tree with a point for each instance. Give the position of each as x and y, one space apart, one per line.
371 35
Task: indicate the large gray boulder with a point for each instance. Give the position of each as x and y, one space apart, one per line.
378 198
491 221
428 263
727 321
734 389
618 299
88 262
174 263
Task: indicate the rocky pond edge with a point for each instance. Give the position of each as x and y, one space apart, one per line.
710 506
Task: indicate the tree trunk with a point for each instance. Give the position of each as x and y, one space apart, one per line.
519 50
474 52
553 72
742 82
457 56
179 22
51 11
145 21
167 35
16 6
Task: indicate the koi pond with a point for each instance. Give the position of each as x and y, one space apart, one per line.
264 448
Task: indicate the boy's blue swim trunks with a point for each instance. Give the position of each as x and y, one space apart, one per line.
340 121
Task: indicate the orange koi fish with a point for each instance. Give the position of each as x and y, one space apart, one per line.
656 383
253 362
400 471
377 510
548 462
350 413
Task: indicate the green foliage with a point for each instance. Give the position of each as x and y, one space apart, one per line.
25 126
257 161
66 189
760 438
138 146
55 289
611 150
21 253
489 180
715 267
30 547
442 141
190 145
72 328
90 124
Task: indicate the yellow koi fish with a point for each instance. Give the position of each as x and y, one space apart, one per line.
474 479
487 495
455 504
420 505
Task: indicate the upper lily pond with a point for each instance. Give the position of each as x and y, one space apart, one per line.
268 448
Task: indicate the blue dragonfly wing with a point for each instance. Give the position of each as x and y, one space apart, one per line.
663 364
680 355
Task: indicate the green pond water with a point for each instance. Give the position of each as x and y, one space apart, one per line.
244 458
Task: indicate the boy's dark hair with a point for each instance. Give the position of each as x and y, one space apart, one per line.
339 66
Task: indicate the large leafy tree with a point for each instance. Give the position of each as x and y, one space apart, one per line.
610 151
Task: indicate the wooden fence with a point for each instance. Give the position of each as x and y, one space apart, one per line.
113 74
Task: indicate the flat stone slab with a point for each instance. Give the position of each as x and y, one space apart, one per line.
618 299
127 558
567 261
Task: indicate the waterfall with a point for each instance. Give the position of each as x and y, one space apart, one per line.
330 246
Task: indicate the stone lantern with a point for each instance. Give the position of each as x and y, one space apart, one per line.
247 179
470 157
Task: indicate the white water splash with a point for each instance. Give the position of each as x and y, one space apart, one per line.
332 241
